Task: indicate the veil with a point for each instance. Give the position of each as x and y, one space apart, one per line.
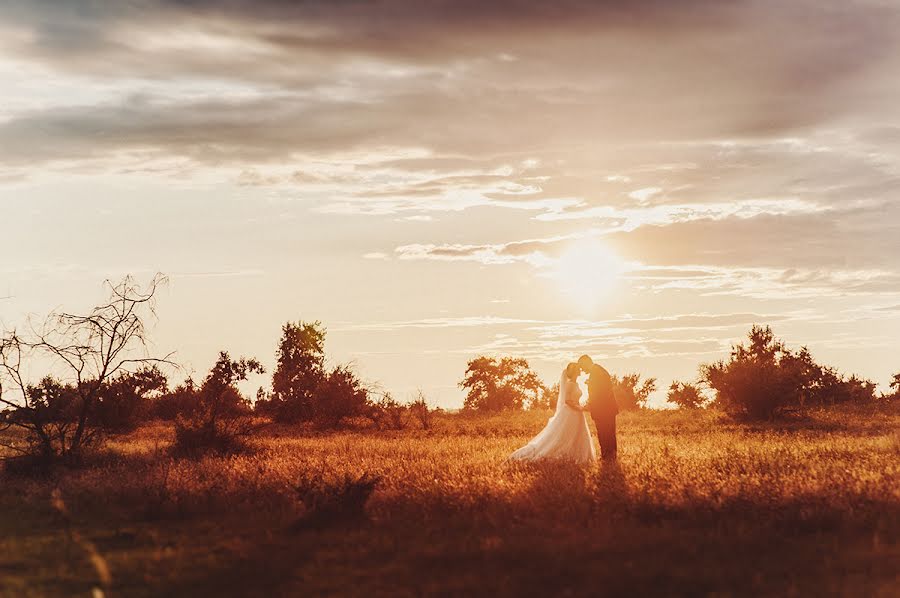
561 399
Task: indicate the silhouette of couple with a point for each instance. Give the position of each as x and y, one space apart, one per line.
567 435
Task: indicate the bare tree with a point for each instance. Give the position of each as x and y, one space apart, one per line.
86 351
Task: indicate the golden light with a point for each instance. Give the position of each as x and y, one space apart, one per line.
587 272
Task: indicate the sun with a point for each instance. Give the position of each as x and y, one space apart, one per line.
587 272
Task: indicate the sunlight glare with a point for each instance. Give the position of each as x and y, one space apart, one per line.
587 272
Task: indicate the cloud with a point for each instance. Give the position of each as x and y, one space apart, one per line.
455 77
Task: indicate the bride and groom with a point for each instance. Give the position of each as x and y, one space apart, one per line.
567 435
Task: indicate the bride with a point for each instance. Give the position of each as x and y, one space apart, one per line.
566 435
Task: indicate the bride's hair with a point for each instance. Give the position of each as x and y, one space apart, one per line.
572 371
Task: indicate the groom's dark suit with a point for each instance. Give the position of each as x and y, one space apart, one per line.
603 409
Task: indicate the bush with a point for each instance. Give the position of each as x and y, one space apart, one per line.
181 401
685 395
59 418
388 414
332 503
217 418
827 387
126 400
764 378
340 394
419 410
195 438
761 378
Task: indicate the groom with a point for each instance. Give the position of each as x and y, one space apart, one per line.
601 405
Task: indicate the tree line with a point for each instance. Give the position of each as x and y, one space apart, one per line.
104 382
761 379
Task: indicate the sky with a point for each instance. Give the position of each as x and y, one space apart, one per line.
434 180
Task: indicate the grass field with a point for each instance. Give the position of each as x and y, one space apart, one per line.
697 506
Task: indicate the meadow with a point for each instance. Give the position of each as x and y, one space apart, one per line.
697 505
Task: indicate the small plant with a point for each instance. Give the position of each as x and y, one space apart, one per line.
419 410
328 503
388 414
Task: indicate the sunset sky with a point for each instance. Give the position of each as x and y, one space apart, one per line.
640 181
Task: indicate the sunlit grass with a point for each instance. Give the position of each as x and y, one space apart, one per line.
693 494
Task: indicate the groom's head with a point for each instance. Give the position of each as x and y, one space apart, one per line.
585 363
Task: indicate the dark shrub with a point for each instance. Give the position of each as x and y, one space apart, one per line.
340 394
328 503
127 400
420 411
388 414
219 417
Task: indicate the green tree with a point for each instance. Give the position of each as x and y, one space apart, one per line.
299 371
493 384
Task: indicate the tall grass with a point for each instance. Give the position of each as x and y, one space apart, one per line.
696 505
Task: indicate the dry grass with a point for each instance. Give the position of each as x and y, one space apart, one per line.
698 506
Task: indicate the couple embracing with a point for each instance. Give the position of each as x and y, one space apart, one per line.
567 435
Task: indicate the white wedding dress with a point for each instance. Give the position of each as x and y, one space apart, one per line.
566 435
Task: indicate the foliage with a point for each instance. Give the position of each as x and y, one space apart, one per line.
58 418
389 414
630 392
895 385
328 503
220 416
494 384
420 411
763 378
340 394
127 400
181 401
299 371
685 395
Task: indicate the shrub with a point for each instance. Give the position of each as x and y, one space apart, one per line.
340 394
181 401
826 387
763 379
59 417
329 503
388 414
685 395
419 410
219 418
127 400
760 378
